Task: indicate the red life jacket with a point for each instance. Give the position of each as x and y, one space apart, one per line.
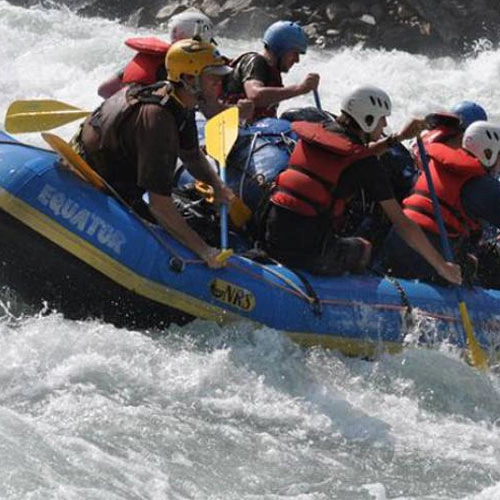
440 134
320 157
450 170
143 68
232 96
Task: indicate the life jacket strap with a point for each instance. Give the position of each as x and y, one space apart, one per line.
452 232
328 186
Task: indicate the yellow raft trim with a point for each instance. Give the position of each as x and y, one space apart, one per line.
109 267
348 346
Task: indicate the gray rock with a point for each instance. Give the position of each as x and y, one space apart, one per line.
433 27
249 23
169 10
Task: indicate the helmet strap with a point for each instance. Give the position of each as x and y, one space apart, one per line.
279 60
195 89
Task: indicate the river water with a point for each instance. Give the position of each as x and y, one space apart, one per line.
89 411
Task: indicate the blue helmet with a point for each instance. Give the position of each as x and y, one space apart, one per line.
469 112
284 36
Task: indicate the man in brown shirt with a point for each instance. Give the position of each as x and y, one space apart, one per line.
136 136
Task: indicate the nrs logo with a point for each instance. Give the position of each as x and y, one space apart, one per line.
233 295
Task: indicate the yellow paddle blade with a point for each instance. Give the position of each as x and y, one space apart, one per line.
74 160
221 132
478 356
239 212
39 115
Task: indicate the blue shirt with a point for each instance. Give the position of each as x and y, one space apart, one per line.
481 199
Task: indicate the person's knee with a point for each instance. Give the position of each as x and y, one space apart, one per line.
365 254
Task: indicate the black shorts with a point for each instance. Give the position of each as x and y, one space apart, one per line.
308 244
339 255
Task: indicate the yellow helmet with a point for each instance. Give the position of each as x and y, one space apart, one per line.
194 57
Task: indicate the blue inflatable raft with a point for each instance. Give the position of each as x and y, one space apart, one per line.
81 252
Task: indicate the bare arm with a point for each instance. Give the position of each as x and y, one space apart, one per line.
416 239
410 130
197 164
267 96
212 107
110 86
167 215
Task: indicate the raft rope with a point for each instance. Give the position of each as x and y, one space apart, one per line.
313 296
310 295
405 301
408 319
292 287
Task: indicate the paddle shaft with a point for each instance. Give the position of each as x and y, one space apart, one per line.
478 356
435 203
223 209
316 99
221 132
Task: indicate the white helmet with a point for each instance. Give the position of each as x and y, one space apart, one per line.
189 24
482 139
366 105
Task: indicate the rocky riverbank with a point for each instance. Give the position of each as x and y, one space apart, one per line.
432 27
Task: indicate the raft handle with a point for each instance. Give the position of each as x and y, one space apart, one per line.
177 265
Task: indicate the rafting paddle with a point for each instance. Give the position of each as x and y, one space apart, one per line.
478 356
39 115
221 132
